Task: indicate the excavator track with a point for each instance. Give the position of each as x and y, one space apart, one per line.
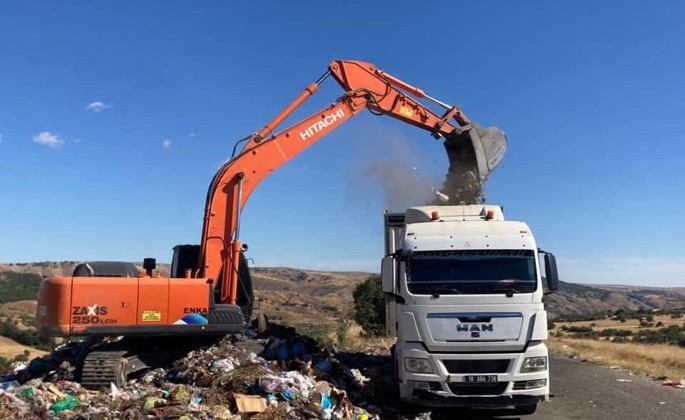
100 368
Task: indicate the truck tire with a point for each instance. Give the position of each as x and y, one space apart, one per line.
525 409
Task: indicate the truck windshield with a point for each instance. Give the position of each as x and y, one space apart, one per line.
471 272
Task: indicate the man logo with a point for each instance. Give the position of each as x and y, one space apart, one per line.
474 328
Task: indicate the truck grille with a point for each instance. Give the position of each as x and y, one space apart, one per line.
495 388
476 366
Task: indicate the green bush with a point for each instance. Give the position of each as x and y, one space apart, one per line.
5 363
329 308
672 334
369 306
580 317
613 332
18 286
578 329
319 332
341 329
26 337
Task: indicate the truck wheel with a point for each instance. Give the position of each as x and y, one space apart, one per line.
525 409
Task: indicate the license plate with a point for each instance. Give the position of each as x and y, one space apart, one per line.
480 378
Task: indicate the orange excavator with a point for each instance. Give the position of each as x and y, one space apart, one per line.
209 290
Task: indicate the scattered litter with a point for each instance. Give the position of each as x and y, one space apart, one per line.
114 391
624 380
53 389
286 375
361 379
250 403
675 384
69 402
28 393
9 384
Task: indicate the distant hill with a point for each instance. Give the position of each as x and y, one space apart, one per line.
313 296
575 298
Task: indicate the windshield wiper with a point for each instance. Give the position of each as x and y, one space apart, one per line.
435 291
451 290
509 292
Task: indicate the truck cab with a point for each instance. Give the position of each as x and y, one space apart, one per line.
464 296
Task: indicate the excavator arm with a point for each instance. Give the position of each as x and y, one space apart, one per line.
366 87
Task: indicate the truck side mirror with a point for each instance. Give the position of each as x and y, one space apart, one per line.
551 272
388 275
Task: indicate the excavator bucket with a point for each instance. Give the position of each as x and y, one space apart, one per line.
473 152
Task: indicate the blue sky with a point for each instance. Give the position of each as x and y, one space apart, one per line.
114 116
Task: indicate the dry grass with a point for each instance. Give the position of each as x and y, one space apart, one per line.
630 324
653 360
10 348
355 341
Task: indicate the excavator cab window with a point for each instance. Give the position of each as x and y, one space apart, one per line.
106 269
185 258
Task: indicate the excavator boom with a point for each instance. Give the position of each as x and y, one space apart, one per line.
365 87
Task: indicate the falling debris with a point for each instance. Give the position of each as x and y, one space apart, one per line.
440 196
473 153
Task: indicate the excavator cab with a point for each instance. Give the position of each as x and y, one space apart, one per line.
473 152
184 261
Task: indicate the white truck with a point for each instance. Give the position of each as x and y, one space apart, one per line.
464 297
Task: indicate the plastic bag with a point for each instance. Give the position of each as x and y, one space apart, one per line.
68 403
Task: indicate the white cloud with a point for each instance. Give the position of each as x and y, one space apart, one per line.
166 143
77 140
96 106
645 271
191 134
0 137
46 138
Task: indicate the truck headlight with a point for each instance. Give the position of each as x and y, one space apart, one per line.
416 365
534 364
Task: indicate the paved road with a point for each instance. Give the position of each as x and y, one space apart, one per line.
585 391
588 391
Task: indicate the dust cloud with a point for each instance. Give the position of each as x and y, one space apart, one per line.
463 183
393 167
410 177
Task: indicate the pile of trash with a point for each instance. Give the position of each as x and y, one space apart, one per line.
283 376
